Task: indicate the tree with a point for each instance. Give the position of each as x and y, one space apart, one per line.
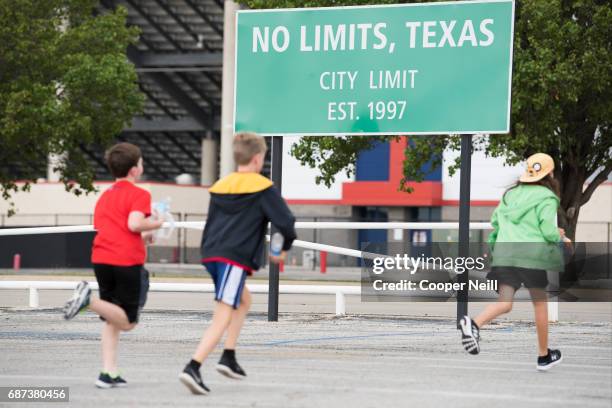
65 81
561 103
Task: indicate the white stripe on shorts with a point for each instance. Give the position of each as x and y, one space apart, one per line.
232 285
221 286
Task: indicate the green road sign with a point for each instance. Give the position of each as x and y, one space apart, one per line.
432 68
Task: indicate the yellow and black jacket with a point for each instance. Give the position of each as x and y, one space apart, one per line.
241 205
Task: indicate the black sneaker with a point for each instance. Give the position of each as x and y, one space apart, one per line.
550 360
79 300
192 380
229 367
118 381
104 381
470 335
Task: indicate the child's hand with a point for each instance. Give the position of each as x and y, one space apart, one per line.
562 232
278 259
158 218
159 223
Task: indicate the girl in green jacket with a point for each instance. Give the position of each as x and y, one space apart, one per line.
524 245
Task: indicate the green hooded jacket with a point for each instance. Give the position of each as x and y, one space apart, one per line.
525 233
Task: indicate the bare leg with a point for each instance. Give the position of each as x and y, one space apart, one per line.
540 308
221 320
110 341
503 305
238 316
111 313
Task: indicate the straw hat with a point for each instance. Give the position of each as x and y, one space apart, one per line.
539 166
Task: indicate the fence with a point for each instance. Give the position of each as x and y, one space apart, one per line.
339 291
183 245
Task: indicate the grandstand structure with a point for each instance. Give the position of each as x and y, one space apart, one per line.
179 60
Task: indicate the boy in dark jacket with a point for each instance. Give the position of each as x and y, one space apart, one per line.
241 206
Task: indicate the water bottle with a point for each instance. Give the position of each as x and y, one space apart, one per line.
162 207
276 244
163 212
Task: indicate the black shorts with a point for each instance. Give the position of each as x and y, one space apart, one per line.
125 286
515 277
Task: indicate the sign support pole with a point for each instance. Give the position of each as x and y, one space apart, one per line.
226 156
464 221
273 276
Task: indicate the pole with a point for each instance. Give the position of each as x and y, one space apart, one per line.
226 158
464 221
277 179
323 263
209 159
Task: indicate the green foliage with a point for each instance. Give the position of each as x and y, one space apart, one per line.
562 84
332 154
65 80
561 101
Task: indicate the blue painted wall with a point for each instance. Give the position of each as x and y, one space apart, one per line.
373 165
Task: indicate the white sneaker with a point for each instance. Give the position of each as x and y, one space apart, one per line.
78 301
470 335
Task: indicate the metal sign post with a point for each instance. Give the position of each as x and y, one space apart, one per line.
464 221
277 179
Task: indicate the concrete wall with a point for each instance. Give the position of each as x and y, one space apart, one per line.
595 219
48 202
490 177
299 181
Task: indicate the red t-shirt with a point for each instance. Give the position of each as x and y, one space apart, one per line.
115 244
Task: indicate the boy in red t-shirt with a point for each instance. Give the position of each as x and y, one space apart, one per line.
122 221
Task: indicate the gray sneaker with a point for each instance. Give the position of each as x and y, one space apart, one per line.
79 300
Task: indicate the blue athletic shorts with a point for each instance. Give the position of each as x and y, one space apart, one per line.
229 282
